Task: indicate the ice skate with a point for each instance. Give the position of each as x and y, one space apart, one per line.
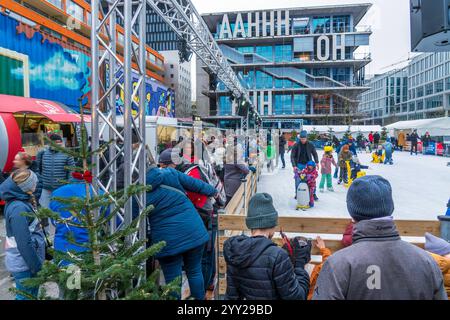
331 189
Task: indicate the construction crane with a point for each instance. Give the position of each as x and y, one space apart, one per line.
111 74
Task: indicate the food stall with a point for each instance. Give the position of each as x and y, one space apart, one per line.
25 121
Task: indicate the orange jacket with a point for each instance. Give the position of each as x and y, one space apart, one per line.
325 253
444 265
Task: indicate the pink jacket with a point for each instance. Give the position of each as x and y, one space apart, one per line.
325 164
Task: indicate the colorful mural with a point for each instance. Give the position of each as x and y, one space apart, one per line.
35 64
55 70
160 101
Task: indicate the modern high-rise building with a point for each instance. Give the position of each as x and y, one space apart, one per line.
297 63
421 90
178 78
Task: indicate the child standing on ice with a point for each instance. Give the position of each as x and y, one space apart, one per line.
325 164
388 151
311 176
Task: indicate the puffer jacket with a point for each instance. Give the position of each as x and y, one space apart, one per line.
25 244
343 158
259 270
174 218
444 265
51 166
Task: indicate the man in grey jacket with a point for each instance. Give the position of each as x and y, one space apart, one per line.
378 265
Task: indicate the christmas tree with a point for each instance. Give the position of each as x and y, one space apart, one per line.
348 133
110 266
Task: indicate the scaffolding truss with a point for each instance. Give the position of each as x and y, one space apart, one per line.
110 75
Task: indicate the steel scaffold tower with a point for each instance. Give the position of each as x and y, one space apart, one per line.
110 74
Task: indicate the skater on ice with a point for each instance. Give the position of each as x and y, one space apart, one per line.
344 156
325 165
379 156
311 174
303 152
388 151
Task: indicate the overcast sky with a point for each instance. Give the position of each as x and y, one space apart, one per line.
389 19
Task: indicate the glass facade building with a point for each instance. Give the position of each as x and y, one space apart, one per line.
301 63
421 90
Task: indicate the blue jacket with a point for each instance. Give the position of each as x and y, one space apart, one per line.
25 243
51 165
174 218
351 146
62 231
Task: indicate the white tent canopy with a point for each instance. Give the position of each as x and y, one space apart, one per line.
436 127
339 131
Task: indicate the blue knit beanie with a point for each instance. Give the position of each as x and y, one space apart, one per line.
304 134
370 197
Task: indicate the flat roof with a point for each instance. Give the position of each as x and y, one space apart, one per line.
358 11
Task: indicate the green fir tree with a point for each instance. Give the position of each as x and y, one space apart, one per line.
111 267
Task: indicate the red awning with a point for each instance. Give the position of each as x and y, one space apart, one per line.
52 110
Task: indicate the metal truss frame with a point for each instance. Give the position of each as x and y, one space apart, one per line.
110 75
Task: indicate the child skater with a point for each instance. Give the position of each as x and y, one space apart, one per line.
311 175
325 164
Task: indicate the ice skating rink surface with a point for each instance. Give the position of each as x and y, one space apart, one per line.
421 188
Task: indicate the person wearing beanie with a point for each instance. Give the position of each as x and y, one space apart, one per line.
439 249
378 265
257 269
25 242
303 152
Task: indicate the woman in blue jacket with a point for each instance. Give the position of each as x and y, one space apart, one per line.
176 221
25 244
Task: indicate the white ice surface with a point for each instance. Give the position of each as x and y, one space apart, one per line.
421 188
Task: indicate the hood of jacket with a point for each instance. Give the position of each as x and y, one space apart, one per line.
155 178
9 191
383 229
242 251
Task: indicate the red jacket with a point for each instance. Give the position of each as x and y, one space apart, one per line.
199 200
311 176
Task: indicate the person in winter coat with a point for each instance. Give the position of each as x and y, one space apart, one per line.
325 165
257 269
25 242
347 236
376 140
426 141
388 151
371 137
447 213
175 220
401 140
414 138
303 152
282 150
52 166
378 265
325 253
235 169
439 249
311 176
344 156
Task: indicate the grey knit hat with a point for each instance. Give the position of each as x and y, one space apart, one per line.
261 212
370 197
166 157
29 184
436 245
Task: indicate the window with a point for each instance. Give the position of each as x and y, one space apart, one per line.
75 10
171 76
429 89
225 107
265 52
448 84
283 53
263 80
282 104
171 66
341 24
342 75
246 49
322 24
300 26
419 92
56 3
299 104
439 86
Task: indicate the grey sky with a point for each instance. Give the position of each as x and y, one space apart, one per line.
389 19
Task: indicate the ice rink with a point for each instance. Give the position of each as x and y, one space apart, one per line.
421 188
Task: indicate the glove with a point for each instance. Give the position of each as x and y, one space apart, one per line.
301 255
252 169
